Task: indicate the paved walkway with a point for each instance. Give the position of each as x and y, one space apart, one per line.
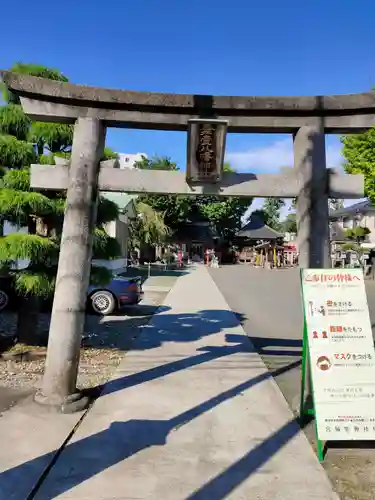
192 414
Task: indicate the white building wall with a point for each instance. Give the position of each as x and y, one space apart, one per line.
117 229
366 220
288 237
128 160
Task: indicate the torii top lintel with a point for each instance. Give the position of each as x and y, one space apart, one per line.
49 100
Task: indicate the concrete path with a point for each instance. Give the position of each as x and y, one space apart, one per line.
271 304
192 414
160 283
30 435
29 440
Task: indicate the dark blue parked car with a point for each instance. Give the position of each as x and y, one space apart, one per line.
104 300
115 295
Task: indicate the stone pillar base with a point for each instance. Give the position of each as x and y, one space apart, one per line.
71 404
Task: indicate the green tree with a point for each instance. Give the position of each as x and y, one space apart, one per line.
21 143
148 228
224 214
259 214
356 236
359 153
33 70
156 163
271 212
175 208
289 225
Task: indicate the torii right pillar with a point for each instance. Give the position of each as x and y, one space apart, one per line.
312 199
312 208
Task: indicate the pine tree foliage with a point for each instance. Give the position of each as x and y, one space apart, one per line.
14 122
149 227
15 153
31 247
105 246
32 70
53 137
23 142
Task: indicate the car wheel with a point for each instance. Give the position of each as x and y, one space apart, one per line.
103 302
4 300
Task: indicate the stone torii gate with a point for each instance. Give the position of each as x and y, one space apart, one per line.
92 110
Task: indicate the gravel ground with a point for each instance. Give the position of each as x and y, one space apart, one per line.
105 342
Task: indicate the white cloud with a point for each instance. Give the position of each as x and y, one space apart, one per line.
278 154
269 159
257 203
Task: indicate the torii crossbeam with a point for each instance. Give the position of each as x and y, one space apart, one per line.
282 185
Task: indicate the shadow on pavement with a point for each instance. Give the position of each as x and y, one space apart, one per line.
179 328
273 346
140 310
121 440
208 353
129 332
124 439
223 484
182 328
241 343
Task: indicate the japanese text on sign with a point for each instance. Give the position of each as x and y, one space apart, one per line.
341 353
206 154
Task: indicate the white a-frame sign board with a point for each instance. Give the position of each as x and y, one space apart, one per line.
339 346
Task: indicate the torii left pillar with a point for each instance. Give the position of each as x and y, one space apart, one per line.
72 281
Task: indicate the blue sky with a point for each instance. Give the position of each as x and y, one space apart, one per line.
240 47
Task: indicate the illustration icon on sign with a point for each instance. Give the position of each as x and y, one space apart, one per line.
317 335
316 310
323 363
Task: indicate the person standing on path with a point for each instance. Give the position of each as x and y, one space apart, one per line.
179 257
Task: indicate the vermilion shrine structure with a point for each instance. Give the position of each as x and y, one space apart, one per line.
92 110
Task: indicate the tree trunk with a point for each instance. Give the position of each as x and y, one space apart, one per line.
28 319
